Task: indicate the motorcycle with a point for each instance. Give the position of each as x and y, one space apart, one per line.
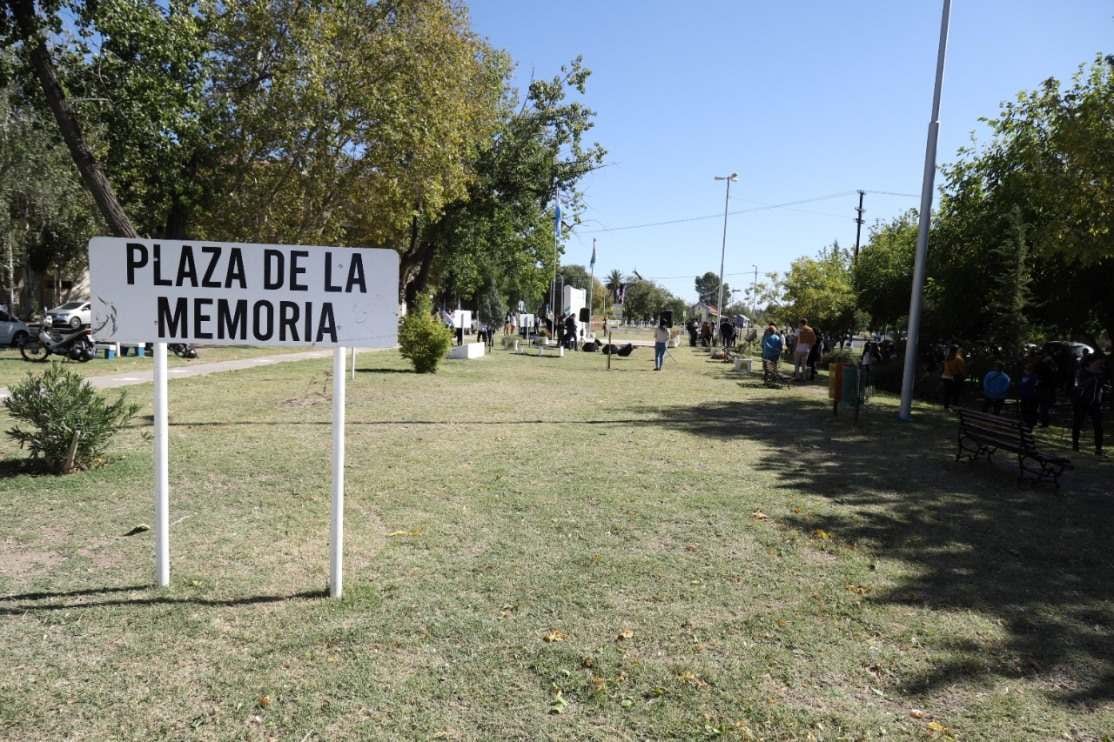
182 350
76 345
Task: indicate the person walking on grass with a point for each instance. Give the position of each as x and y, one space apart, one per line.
1087 400
771 353
951 377
806 338
661 341
995 387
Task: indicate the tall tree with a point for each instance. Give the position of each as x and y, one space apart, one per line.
707 288
21 25
820 290
504 226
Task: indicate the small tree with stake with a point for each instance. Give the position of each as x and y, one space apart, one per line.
71 425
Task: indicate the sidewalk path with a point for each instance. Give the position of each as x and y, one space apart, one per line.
130 378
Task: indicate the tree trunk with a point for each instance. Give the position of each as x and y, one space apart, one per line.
421 281
91 173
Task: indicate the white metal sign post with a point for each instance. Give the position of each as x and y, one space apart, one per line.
221 293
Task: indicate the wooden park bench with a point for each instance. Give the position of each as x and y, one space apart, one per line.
983 433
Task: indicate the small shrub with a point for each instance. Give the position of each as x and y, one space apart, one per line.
837 357
422 339
71 424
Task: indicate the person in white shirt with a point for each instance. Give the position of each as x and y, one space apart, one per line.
661 340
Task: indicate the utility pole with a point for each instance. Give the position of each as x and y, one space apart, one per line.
723 248
858 227
754 294
912 337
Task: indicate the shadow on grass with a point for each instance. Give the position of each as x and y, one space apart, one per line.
1037 563
285 423
18 610
385 371
24 467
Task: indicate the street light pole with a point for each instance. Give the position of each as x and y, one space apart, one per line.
925 221
754 294
723 247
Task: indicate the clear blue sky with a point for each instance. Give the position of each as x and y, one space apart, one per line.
803 99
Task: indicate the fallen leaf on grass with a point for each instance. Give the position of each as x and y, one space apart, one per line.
937 728
690 678
414 532
624 635
917 714
558 704
598 684
858 589
759 515
554 635
821 534
264 701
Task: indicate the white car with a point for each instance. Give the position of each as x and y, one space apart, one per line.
12 331
72 314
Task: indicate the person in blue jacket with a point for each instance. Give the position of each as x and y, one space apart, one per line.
771 353
995 387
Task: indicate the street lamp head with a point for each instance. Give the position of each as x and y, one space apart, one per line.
733 177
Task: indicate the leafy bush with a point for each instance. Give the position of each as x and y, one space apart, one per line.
422 339
838 357
71 425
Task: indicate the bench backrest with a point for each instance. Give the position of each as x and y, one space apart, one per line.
1008 431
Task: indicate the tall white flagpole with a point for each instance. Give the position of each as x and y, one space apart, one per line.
162 471
925 222
336 531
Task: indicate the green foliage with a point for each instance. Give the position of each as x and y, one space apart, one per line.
503 227
422 339
645 300
1051 161
882 274
71 424
820 290
490 306
1009 292
707 288
46 216
579 277
837 357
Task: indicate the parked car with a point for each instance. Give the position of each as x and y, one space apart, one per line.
13 331
72 314
1064 348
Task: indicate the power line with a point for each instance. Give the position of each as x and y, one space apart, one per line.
766 207
891 193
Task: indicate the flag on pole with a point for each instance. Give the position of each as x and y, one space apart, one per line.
592 262
557 219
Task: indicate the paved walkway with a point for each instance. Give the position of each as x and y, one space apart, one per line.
130 378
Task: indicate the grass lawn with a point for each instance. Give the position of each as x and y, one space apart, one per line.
539 548
14 369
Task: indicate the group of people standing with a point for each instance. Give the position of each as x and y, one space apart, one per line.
1083 380
804 345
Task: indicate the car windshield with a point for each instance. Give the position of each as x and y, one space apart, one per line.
70 305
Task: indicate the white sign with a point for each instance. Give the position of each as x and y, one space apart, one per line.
224 293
